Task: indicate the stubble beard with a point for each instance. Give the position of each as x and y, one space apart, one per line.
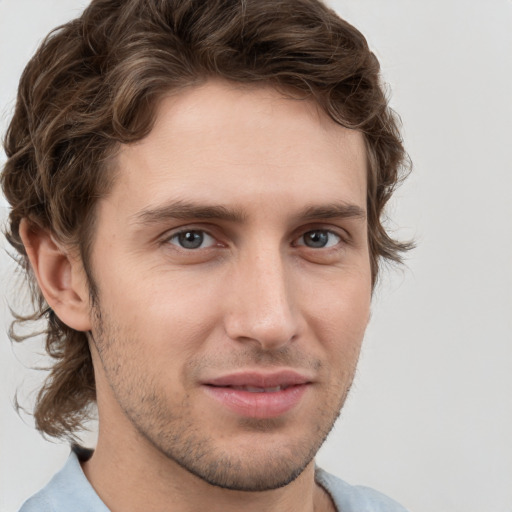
173 433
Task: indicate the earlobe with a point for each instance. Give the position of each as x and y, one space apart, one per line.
60 276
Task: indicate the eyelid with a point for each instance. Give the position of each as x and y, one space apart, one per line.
330 232
212 231
172 233
207 238
338 231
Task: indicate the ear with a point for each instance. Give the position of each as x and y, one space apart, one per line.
60 276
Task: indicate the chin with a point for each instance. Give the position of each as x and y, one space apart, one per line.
252 476
261 461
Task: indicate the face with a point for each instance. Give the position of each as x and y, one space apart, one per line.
234 284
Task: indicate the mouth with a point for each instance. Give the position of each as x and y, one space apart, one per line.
252 389
258 381
257 394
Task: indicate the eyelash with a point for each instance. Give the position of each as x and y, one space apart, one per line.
204 233
323 232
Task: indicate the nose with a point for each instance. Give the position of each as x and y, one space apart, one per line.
262 307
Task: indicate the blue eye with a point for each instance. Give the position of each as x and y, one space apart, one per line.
192 239
319 239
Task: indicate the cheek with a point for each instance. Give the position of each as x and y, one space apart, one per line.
169 313
340 313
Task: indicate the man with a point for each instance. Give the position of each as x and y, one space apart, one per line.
196 188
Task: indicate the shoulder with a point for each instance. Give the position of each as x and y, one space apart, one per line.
355 498
40 502
37 503
68 490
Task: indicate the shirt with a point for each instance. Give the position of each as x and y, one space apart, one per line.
70 491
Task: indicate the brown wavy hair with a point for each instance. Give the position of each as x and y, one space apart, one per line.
94 84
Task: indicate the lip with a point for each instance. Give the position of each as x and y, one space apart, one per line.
264 401
260 379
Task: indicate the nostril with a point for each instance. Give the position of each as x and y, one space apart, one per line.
261 309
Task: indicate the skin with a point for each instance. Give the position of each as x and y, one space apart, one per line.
260 293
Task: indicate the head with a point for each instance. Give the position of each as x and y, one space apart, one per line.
95 97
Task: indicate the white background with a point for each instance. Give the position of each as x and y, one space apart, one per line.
429 421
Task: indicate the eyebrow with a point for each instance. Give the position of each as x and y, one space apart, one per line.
185 210
333 211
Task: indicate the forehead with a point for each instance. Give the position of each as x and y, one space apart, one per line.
225 142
